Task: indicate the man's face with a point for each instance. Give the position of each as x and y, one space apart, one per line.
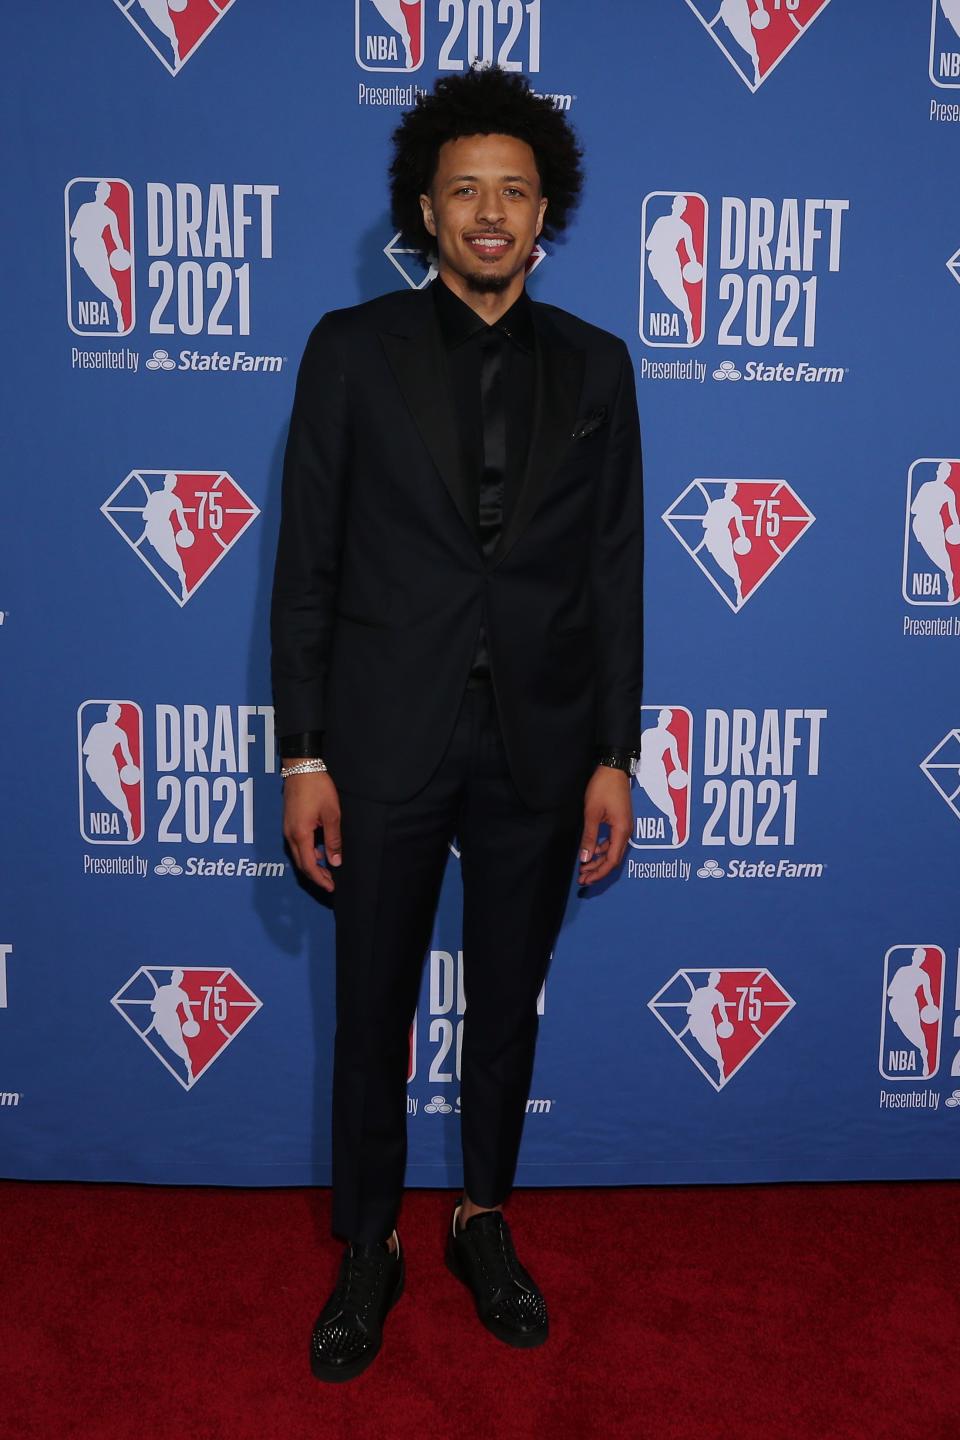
485 209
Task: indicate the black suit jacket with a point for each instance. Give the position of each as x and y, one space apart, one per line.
380 576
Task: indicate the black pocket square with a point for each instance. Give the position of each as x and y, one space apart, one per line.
589 423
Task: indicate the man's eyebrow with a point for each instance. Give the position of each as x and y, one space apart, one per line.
524 178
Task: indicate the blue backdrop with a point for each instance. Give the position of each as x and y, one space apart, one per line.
769 988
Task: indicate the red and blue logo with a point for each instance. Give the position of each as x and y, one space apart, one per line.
173 29
98 223
390 34
945 44
181 523
721 1017
738 531
187 1015
661 789
911 1020
673 268
931 536
110 770
755 35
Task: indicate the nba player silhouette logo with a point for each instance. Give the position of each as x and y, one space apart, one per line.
661 789
945 44
187 1015
738 531
98 220
389 34
721 1017
755 35
110 768
673 274
912 1014
181 523
942 769
173 29
931 537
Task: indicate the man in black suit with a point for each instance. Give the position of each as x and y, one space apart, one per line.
456 626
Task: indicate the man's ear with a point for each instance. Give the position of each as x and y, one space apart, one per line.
543 206
427 211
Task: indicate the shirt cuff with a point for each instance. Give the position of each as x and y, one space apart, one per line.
306 745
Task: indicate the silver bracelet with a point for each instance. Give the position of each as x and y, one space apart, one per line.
302 767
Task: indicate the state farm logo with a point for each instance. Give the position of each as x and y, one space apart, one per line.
945 44
942 769
181 523
390 35
755 35
173 29
661 791
738 531
202 243
931 537
762 265
186 1015
720 1017
911 1018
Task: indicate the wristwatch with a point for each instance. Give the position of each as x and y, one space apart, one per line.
619 759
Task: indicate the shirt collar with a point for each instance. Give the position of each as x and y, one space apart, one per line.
458 322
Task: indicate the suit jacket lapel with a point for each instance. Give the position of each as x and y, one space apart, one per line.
417 360
416 357
559 378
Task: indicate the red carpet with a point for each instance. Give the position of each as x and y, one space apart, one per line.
704 1314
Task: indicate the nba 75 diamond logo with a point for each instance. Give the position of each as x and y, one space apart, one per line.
756 34
181 523
719 1018
738 531
174 29
942 769
186 1015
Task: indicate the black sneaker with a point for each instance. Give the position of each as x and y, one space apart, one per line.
349 1329
507 1299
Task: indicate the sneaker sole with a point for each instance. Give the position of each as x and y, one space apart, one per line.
333 1374
516 1338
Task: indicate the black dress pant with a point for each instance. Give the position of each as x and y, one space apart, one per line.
516 866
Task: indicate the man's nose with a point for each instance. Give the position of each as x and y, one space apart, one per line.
490 208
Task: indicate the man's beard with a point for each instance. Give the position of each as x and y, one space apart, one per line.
483 283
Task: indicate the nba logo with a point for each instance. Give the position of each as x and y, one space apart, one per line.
738 531
110 765
173 29
412 1050
755 35
181 523
721 1017
661 806
945 44
187 1015
390 34
931 536
98 221
673 268
911 1018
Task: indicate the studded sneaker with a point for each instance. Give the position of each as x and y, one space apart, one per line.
349 1329
507 1299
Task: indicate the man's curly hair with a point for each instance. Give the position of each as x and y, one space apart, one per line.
482 101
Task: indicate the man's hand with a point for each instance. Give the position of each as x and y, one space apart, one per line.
607 798
311 803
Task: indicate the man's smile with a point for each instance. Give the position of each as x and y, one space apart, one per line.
488 246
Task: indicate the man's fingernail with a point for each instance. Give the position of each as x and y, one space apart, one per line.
584 855
335 859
